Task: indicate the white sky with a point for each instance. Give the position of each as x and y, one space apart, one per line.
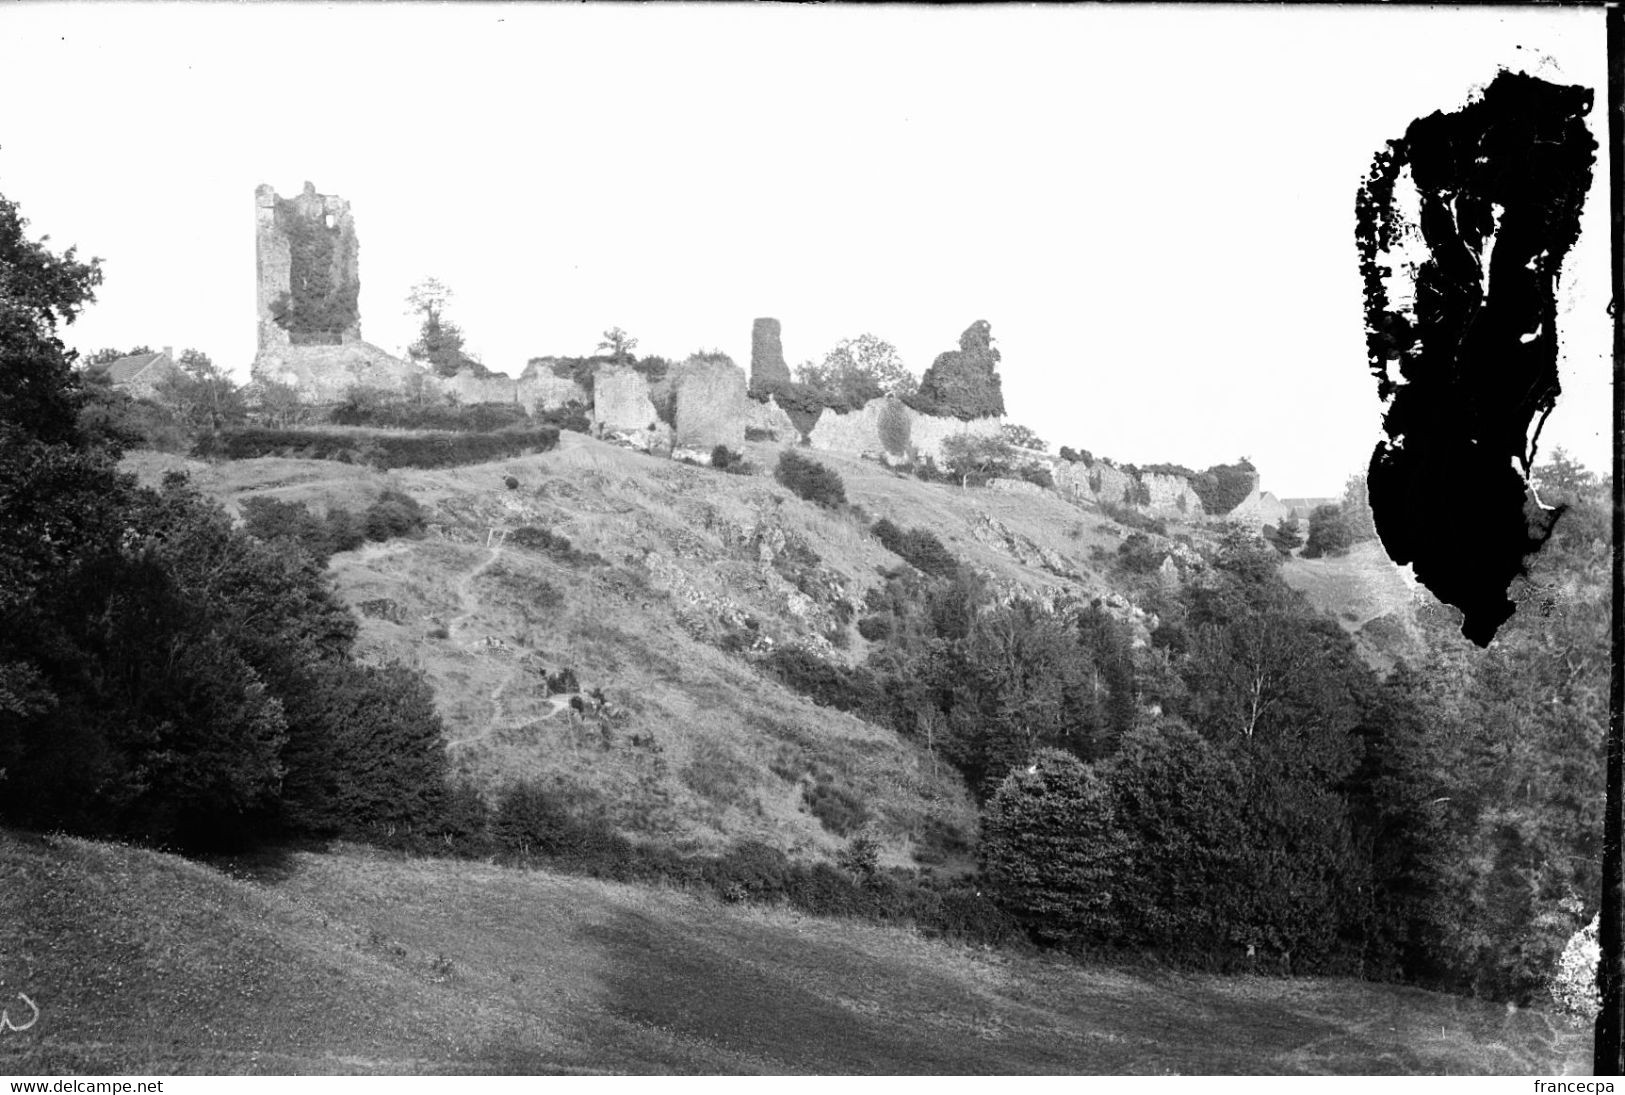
1152 206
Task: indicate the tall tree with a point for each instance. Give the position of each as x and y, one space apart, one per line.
858 370
440 341
619 344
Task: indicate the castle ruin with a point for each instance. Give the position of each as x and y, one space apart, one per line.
309 321
308 266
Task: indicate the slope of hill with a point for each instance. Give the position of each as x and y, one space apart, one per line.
362 962
1370 597
692 745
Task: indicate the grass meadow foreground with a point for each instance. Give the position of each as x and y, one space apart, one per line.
358 961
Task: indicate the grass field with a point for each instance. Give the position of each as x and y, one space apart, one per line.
360 962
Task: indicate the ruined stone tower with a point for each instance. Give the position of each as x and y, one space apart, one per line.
767 368
309 270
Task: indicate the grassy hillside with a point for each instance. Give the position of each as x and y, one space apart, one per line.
1370 597
361 962
694 747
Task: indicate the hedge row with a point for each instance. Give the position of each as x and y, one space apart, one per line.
435 450
537 825
474 418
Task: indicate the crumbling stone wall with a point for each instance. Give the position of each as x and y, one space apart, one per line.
1170 495
324 374
621 401
767 367
710 403
1097 482
862 432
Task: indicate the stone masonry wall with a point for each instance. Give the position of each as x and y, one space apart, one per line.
620 401
1171 496
710 404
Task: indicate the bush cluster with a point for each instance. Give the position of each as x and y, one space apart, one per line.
1223 487
845 688
1178 846
382 450
362 409
725 459
394 514
566 829
1134 519
919 547
554 546
836 808
810 480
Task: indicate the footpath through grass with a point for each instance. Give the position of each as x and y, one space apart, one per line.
358 961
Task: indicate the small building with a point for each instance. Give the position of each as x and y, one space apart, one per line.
139 375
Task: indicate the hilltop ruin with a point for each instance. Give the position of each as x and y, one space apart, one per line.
308 287
309 324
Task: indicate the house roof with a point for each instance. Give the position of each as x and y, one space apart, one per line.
128 368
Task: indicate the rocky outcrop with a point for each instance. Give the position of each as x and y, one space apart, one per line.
767 367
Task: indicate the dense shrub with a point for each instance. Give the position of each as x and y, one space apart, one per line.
875 628
1051 850
836 808
1178 846
1329 532
810 480
365 409
272 520
917 546
1037 474
1134 519
554 546
963 383
573 416
1223 487
1138 554
552 822
1077 456
844 688
725 459
895 428
804 404
394 514
383 450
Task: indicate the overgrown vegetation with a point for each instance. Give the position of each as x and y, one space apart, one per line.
917 546
318 307
381 450
1223 487
807 478
378 408
963 383
554 546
